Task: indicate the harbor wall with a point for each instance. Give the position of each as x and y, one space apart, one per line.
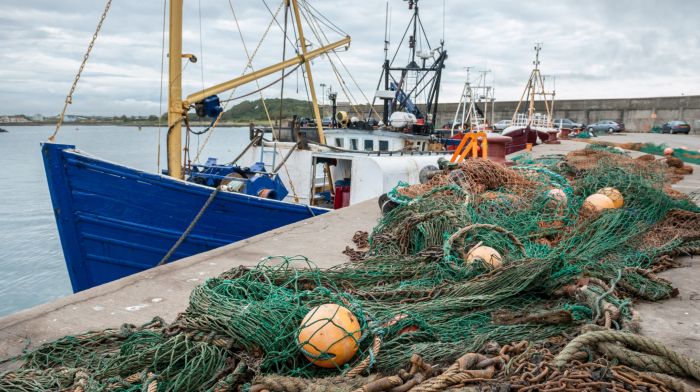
638 114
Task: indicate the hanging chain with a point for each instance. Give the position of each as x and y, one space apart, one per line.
69 97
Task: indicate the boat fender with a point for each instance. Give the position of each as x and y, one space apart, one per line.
342 117
427 173
385 204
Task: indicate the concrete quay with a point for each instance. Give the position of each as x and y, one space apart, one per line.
164 291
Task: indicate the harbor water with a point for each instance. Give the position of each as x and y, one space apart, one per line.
32 269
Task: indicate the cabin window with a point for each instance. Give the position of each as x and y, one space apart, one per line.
369 145
383 145
353 144
339 142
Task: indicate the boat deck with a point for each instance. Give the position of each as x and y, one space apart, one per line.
164 291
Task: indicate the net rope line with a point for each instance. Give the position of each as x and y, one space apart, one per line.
69 97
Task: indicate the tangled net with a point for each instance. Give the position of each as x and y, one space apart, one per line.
430 320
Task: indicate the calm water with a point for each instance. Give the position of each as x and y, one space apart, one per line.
31 261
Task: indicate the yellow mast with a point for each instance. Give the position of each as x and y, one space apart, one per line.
175 111
312 90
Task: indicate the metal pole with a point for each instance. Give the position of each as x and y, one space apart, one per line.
175 110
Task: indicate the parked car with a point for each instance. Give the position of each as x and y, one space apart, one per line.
566 123
501 125
608 126
676 126
327 121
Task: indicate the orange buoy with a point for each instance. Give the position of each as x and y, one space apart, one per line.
598 202
614 195
557 195
489 255
668 151
328 335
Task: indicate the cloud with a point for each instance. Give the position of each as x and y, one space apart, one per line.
596 49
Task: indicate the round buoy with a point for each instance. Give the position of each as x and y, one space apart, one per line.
614 195
486 253
558 195
598 202
328 335
668 151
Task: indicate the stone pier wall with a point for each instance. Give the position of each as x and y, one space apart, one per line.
638 114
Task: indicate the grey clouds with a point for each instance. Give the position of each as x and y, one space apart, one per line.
596 49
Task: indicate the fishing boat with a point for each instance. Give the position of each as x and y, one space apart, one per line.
475 109
114 220
531 126
409 95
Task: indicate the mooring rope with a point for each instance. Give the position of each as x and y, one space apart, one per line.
69 97
189 228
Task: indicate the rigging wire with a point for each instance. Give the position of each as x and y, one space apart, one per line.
281 78
274 18
245 70
322 18
316 29
284 57
250 64
162 72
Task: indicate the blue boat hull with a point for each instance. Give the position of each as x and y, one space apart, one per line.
114 221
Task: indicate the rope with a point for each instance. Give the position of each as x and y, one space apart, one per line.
367 362
69 97
273 383
653 355
189 228
461 371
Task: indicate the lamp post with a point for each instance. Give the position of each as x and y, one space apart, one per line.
323 99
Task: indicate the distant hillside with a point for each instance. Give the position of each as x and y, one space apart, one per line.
254 110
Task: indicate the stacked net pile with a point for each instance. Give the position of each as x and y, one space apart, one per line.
429 318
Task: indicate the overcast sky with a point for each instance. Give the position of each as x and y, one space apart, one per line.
596 49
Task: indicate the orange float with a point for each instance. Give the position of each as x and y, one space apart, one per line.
558 195
328 336
598 202
614 195
486 253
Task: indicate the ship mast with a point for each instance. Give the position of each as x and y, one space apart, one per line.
175 91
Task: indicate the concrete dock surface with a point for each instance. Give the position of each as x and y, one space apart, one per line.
164 291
